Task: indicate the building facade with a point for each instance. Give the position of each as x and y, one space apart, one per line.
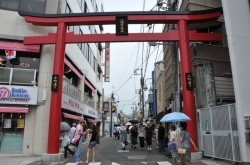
26 74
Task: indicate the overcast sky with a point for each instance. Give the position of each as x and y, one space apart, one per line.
125 57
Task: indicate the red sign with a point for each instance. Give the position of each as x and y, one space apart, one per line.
5 45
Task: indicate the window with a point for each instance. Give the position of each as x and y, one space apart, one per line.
80 3
34 6
10 4
68 10
83 6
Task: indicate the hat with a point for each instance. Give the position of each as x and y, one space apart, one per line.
123 128
148 122
74 124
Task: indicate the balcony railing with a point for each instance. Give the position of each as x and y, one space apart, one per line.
71 90
17 76
89 101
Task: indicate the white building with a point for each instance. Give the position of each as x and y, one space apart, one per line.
25 80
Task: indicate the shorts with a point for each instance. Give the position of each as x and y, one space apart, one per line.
174 153
92 144
149 140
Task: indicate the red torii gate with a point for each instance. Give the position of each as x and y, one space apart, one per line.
183 35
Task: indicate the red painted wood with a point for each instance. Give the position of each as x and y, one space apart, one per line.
56 97
132 37
132 19
188 95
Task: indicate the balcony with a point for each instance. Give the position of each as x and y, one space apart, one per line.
89 101
71 90
17 76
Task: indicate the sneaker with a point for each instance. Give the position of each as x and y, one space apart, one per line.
150 149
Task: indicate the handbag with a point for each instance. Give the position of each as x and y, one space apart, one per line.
97 139
171 146
126 142
182 151
75 141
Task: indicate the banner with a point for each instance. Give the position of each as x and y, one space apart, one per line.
7 123
20 123
107 62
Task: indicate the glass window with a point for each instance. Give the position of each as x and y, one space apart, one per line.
68 10
34 6
71 28
80 3
77 30
10 4
82 6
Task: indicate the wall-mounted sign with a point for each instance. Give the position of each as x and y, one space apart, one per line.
90 112
72 104
122 25
107 62
10 54
189 81
18 95
55 82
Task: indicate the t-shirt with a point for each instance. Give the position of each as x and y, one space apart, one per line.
93 137
172 136
149 131
72 132
78 128
186 136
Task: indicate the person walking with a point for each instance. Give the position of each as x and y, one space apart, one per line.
148 134
72 130
141 136
78 135
156 137
92 143
134 133
161 134
184 139
118 132
128 136
65 144
173 139
114 131
123 135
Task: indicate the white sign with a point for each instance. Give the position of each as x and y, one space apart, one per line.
18 95
72 104
90 112
7 123
107 62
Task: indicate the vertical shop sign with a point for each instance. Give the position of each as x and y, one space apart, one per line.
122 25
55 81
107 62
189 81
7 123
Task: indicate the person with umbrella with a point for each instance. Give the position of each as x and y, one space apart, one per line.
134 133
66 138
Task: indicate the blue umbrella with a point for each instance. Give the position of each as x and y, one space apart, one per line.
175 117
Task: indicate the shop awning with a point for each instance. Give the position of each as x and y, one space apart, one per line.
73 116
89 85
92 121
73 68
14 109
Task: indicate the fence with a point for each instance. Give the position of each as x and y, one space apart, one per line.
219 132
71 90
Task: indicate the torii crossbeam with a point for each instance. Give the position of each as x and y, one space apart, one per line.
62 37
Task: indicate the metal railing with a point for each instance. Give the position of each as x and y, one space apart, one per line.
17 76
89 101
71 90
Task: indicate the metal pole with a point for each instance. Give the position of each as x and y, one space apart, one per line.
142 91
111 113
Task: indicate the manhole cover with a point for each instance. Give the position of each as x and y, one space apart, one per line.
137 157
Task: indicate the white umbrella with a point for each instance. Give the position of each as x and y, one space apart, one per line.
64 126
128 123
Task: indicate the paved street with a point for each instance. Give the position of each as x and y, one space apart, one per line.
109 153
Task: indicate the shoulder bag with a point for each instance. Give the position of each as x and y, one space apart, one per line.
74 141
182 150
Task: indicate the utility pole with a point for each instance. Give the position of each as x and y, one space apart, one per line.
111 113
142 92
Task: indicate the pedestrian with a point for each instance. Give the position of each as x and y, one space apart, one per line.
128 136
173 140
123 133
161 134
184 139
148 134
92 143
118 132
156 137
134 133
72 130
130 127
78 135
65 143
141 135
114 131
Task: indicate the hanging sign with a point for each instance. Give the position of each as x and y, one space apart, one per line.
10 54
189 81
55 81
122 25
107 62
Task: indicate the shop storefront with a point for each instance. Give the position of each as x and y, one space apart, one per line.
15 102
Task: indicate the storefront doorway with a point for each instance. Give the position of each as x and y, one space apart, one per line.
11 132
